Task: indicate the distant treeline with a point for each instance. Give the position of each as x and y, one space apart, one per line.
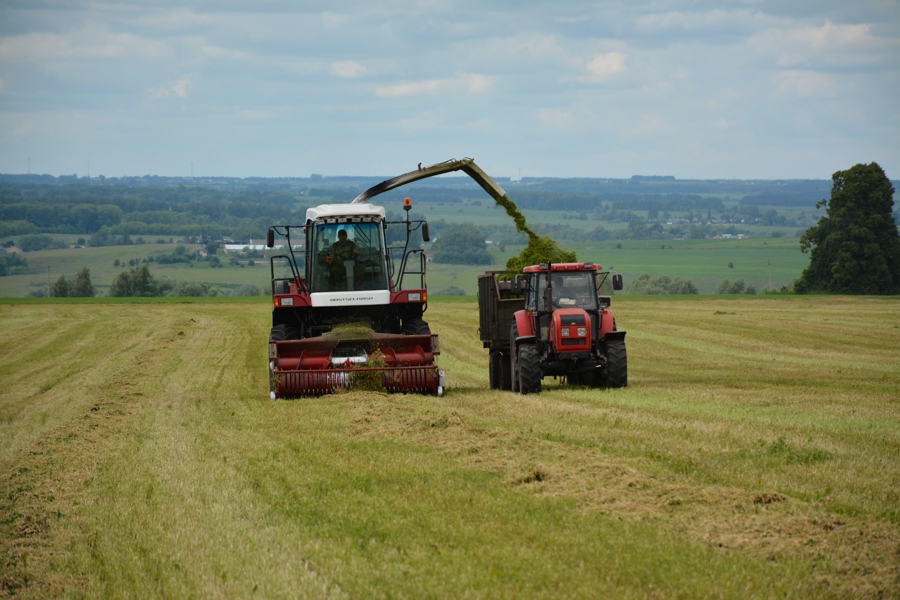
128 210
782 200
107 211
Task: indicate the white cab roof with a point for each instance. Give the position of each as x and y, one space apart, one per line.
329 211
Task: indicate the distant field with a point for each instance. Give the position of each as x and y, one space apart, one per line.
754 454
703 261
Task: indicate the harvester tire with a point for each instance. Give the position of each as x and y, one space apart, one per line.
529 369
416 327
283 332
616 364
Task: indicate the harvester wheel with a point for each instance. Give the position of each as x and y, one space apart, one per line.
283 332
616 364
529 369
416 327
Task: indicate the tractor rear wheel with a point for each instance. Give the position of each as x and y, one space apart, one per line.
529 369
616 364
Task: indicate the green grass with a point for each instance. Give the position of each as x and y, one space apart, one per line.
754 453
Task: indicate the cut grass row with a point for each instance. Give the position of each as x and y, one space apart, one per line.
753 454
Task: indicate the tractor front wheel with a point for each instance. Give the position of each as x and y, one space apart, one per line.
616 364
529 369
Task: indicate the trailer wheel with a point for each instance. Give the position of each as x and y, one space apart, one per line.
415 327
529 369
505 376
513 359
495 359
616 364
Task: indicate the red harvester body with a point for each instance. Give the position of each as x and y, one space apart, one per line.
350 308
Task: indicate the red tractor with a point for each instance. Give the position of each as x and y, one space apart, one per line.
551 321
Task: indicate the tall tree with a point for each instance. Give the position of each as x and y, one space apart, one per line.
62 288
81 284
855 248
137 281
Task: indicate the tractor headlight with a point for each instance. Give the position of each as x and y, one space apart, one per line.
582 331
287 301
415 297
565 332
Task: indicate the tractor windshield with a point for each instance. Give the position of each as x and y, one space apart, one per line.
570 289
347 256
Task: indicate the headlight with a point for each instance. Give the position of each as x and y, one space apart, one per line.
415 297
582 331
287 301
565 332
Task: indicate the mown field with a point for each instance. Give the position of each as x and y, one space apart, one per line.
755 453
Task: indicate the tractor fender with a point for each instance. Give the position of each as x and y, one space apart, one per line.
607 323
524 325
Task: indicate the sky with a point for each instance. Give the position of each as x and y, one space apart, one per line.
740 89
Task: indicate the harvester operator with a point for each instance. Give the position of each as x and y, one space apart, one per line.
342 250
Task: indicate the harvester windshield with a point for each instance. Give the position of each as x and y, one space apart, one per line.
348 256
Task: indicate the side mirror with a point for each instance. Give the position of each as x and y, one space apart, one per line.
515 286
425 235
270 238
617 282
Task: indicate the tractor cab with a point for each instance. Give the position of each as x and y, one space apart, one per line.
562 289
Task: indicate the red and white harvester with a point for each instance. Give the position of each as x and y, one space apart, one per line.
351 309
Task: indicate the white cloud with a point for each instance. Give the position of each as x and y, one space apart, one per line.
471 83
348 69
713 22
87 44
605 66
805 84
652 124
824 46
178 89
556 118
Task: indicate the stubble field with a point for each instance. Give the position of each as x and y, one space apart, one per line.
754 454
